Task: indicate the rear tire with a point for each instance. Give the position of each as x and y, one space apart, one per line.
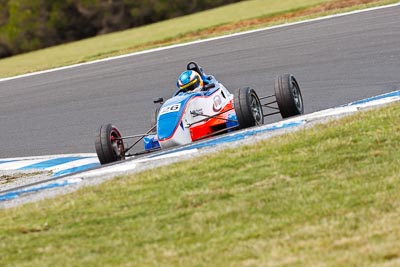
109 146
248 108
288 96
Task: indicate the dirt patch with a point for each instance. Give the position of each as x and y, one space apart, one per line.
4 179
8 178
15 178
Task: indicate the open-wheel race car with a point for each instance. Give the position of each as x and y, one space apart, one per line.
192 115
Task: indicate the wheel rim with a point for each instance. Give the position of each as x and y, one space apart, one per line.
256 109
297 96
116 143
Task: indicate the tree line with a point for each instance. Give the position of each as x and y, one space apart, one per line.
27 25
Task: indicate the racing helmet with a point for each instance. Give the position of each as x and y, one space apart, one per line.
190 80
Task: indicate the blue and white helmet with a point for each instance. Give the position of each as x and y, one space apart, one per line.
190 80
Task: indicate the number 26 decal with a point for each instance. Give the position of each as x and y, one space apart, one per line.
170 108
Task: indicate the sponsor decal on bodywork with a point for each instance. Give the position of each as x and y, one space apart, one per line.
196 112
217 103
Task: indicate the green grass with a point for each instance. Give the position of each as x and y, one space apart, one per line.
167 32
326 196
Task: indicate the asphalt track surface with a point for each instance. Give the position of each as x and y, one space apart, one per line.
336 61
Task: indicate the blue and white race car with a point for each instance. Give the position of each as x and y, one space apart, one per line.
190 116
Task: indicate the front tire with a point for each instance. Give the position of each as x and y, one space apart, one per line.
288 96
109 145
248 108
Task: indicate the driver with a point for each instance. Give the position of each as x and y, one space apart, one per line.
193 79
190 81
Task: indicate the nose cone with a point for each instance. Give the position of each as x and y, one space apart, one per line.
170 116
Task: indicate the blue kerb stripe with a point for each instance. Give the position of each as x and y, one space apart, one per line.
76 169
15 194
7 161
232 138
363 101
50 163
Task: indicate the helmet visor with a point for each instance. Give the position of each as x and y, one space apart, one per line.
191 86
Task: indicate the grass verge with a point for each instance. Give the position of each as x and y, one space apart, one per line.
228 19
326 196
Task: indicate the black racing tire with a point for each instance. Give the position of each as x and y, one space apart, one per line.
153 119
109 146
248 108
288 96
